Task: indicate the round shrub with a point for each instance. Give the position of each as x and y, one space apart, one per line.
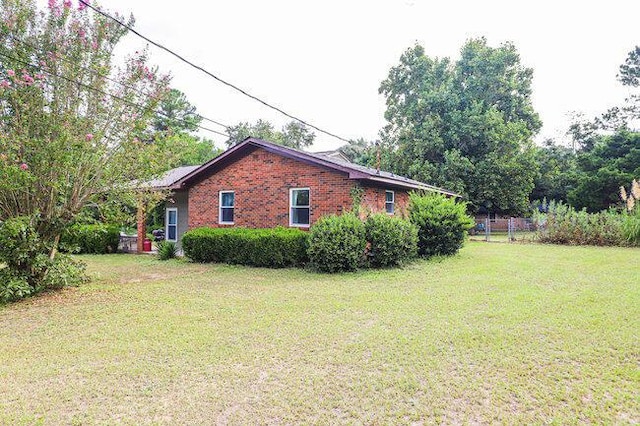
337 243
392 240
442 223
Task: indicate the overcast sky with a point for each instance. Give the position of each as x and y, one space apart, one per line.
324 60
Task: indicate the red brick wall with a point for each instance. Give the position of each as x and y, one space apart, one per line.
261 181
374 199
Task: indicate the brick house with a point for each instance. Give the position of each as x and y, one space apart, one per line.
258 184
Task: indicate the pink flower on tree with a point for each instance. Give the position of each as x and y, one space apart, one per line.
52 4
11 73
24 166
89 137
82 5
67 4
28 80
5 84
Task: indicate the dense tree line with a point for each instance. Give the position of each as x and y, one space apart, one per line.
469 125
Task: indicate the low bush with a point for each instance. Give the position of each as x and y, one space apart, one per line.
337 243
391 240
271 248
442 223
562 224
29 267
90 239
167 250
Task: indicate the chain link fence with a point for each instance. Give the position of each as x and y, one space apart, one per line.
510 229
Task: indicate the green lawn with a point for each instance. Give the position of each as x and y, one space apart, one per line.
502 333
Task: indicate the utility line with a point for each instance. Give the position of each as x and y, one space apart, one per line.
210 74
105 76
104 93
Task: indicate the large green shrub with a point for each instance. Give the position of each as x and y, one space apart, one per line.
562 224
442 223
391 240
29 266
91 239
271 248
337 243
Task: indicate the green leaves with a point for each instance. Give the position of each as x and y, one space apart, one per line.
442 223
464 125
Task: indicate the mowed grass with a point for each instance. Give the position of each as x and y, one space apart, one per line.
501 333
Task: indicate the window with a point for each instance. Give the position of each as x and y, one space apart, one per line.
172 224
299 207
227 206
390 199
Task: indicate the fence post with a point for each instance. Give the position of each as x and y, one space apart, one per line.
487 231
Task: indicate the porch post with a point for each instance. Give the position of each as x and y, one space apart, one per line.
142 227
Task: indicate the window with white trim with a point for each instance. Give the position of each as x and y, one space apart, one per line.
227 206
171 224
389 201
299 206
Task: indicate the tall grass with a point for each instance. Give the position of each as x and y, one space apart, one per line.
562 224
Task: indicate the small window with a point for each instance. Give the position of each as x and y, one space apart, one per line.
390 199
172 224
227 207
299 207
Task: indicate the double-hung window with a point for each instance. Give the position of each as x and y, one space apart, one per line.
390 200
299 207
172 224
227 207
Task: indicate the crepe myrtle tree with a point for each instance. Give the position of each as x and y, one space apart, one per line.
73 126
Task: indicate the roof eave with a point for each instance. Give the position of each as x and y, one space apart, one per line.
411 185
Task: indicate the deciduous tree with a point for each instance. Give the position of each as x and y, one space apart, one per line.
466 125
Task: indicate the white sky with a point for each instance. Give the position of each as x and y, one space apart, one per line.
324 60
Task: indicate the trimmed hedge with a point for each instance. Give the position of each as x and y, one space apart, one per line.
442 223
90 239
337 243
271 248
392 240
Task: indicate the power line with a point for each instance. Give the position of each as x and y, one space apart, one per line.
79 83
210 74
105 76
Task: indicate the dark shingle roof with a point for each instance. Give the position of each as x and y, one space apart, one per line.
355 171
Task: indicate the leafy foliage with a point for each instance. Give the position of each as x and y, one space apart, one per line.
337 243
442 223
562 224
466 126
391 240
167 250
72 125
91 239
612 162
172 130
630 70
29 269
293 134
271 248
557 172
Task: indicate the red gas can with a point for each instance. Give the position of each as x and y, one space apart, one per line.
146 245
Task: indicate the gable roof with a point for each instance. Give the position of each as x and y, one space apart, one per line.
335 154
169 178
354 171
